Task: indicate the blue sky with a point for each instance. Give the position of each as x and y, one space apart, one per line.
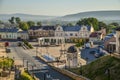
56 7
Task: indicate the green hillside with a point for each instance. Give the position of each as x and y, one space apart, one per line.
98 70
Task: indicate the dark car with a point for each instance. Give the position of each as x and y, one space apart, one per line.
8 50
92 52
20 43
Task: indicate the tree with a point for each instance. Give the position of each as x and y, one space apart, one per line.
18 20
115 24
39 23
89 21
1 22
30 23
69 24
101 25
12 20
23 26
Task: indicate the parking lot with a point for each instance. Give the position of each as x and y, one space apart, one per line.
85 54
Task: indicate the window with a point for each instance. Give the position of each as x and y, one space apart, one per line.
71 34
61 34
66 35
84 28
76 35
58 28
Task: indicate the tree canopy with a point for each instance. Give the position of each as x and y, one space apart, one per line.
89 21
39 23
31 23
12 20
23 26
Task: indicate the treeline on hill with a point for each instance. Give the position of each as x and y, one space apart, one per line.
85 21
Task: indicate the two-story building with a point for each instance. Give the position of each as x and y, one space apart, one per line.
41 31
69 32
12 33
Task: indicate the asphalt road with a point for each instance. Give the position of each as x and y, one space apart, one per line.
40 69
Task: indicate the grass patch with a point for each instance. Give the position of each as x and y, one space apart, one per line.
97 70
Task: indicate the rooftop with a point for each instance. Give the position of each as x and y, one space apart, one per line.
74 28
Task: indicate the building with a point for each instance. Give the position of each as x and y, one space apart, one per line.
69 32
110 44
118 40
12 33
95 36
41 31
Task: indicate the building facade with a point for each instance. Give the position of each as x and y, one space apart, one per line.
12 33
41 31
118 40
69 32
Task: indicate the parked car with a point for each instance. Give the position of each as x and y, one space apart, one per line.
97 55
20 43
92 52
8 50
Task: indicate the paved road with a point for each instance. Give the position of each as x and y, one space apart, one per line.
19 53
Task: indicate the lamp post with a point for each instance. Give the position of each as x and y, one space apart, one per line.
81 68
27 65
23 61
36 51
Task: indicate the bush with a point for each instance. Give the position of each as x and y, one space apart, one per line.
27 44
25 76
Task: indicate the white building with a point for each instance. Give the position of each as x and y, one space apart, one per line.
12 33
73 31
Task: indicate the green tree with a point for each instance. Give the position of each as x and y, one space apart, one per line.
30 23
12 20
89 21
39 23
115 24
1 22
102 24
69 24
18 20
23 26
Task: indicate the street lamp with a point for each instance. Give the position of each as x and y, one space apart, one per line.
36 51
23 61
80 68
27 65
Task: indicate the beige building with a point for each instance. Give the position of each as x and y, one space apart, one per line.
118 40
43 31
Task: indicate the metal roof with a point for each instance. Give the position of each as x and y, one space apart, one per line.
74 28
11 29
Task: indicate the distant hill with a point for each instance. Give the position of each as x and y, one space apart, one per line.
98 70
106 16
25 17
101 15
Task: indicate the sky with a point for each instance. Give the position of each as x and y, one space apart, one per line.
56 7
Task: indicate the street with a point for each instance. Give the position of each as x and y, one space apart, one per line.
28 59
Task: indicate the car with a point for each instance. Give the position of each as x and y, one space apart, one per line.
97 55
92 52
19 43
8 50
